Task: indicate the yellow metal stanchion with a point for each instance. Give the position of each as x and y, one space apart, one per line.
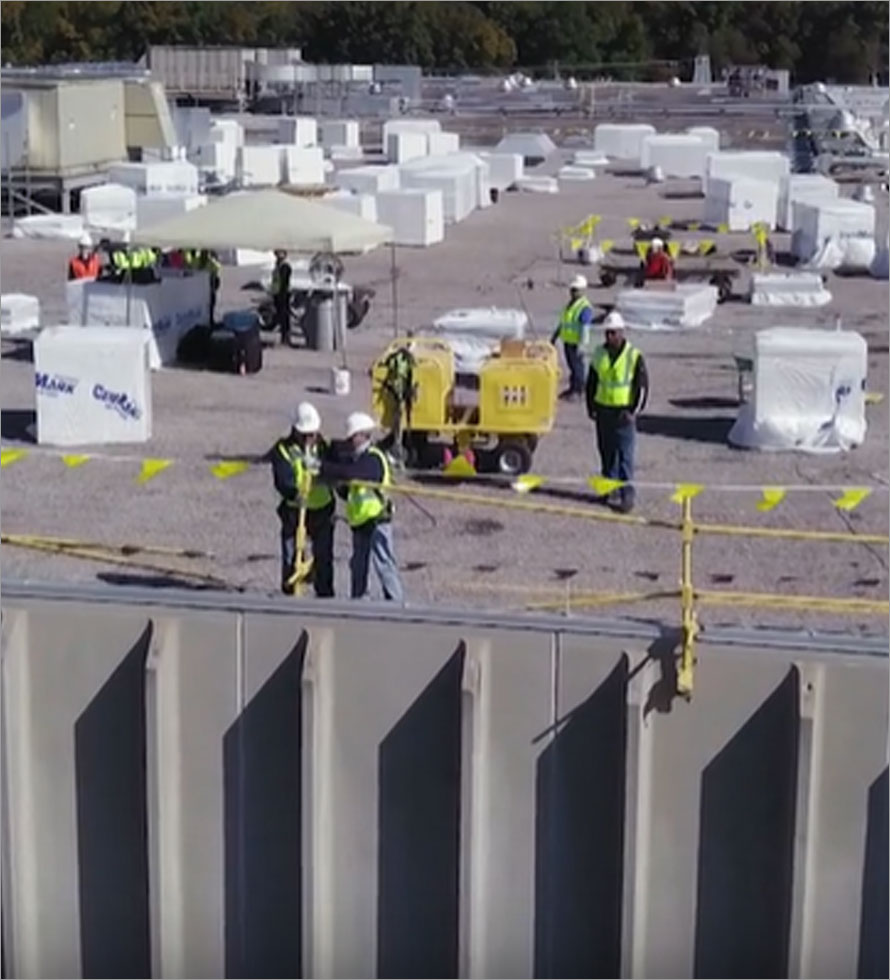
303 562
689 623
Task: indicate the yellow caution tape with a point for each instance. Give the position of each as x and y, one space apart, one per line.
852 498
73 460
224 470
527 482
686 491
602 486
460 466
151 468
771 498
10 456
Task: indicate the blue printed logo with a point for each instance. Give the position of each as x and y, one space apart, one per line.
54 384
117 401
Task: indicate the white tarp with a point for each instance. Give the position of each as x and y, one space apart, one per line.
19 312
162 311
92 385
622 141
793 188
267 220
68 227
816 223
682 308
532 147
677 154
739 202
809 392
788 289
474 334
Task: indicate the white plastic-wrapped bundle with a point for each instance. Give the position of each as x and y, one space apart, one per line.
298 131
109 206
458 187
682 308
766 165
621 141
18 313
815 224
416 215
369 180
438 144
740 202
339 132
259 166
158 177
93 386
504 169
406 145
532 147
677 154
809 392
788 289
302 166
798 188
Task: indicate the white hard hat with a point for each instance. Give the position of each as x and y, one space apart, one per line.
579 282
306 419
85 241
614 321
359 422
657 244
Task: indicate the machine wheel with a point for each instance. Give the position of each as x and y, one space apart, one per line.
512 457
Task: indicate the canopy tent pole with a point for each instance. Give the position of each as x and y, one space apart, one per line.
394 276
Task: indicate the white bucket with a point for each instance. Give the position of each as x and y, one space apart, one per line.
340 381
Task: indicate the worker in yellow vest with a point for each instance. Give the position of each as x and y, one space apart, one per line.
296 460
573 330
367 474
617 390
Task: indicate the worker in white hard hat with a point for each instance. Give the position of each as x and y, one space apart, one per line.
658 263
86 264
296 461
363 478
573 330
617 390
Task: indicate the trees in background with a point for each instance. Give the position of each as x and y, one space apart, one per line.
843 41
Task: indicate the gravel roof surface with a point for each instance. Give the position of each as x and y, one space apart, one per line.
463 552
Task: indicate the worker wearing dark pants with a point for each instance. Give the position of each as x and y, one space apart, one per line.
572 330
617 389
296 460
281 276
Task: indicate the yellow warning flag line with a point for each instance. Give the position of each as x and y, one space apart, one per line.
771 600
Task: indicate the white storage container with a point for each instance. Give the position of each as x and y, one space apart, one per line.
753 164
361 205
339 132
218 159
686 306
415 215
407 145
740 202
708 135
298 131
342 154
678 154
228 131
809 392
18 313
160 177
788 289
109 206
438 144
302 165
622 141
369 180
458 187
504 169
796 188
532 147
409 126
814 224
151 210
457 161
93 386
259 166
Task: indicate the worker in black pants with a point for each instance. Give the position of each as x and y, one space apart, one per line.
281 276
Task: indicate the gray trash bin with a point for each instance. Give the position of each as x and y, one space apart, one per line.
319 322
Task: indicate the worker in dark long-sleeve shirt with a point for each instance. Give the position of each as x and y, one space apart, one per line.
617 389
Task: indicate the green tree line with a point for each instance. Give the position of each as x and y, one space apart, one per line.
844 42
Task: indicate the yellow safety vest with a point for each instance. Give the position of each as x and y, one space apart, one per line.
368 503
570 327
120 260
319 494
614 378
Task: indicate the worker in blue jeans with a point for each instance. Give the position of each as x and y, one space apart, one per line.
573 330
617 390
367 475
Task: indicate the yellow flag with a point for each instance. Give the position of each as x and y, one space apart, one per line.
575 243
693 225
75 459
634 223
673 249
224 470
642 250
772 497
874 397
705 246
602 486
10 456
665 221
722 228
460 466
851 498
527 482
606 245
151 468
686 491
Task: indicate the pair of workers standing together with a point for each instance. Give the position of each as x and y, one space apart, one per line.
308 475
615 388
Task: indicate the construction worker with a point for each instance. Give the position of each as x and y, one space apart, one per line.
296 460
367 473
617 389
573 330
86 264
658 263
205 260
281 276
